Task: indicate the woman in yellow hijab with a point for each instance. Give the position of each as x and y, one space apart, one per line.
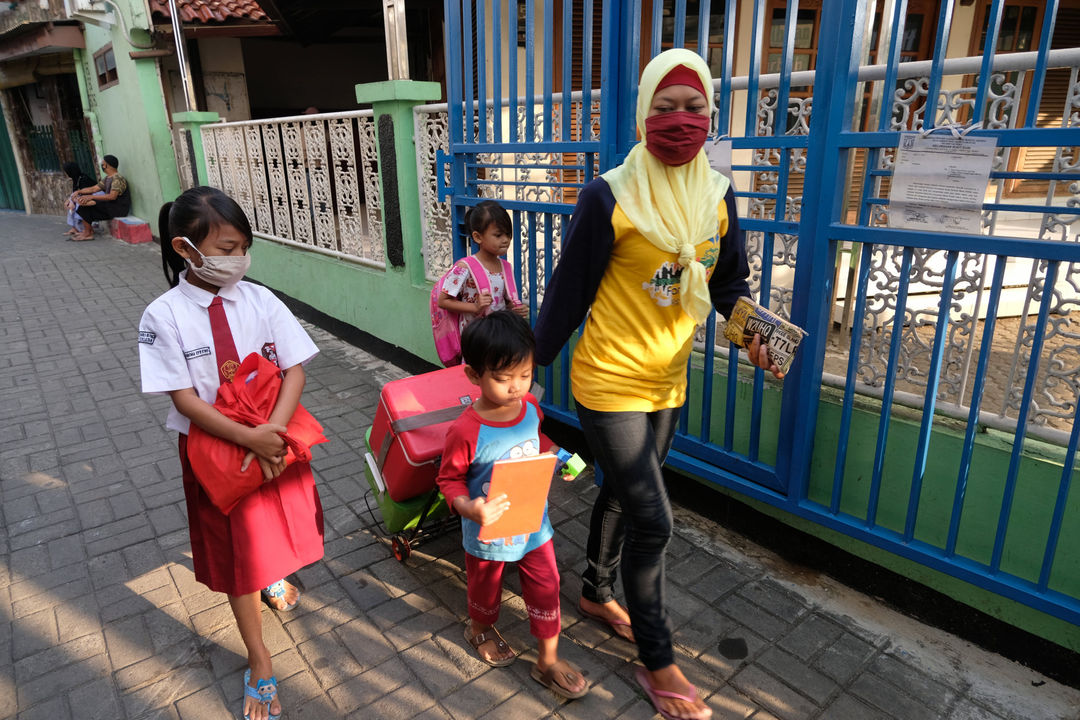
651 247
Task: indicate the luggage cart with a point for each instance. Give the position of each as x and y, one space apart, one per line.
404 525
404 448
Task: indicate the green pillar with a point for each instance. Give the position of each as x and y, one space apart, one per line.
192 121
392 103
80 57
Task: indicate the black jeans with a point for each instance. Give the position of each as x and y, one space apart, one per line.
632 519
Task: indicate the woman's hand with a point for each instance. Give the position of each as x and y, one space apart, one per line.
759 357
480 510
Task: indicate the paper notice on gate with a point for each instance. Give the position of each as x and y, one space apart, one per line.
939 182
718 150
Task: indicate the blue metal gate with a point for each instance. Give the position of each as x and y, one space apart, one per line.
541 98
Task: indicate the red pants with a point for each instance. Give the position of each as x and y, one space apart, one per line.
539 588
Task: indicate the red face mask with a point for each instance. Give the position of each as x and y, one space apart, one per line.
674 138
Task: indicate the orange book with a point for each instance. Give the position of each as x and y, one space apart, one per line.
525 482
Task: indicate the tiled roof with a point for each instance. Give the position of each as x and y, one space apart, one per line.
208 11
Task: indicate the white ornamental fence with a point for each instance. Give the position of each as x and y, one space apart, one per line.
307 180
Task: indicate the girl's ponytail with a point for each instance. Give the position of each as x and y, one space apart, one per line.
171 262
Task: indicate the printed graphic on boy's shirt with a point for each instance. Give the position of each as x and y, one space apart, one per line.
663 287
525 449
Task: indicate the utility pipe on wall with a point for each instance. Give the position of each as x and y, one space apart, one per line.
181 56
397 44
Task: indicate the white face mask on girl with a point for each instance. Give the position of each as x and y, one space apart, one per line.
220 270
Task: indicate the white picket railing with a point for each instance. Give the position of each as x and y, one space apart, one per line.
306 180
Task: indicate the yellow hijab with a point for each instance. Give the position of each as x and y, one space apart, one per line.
674 208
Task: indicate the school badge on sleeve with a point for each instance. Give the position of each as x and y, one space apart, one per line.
269 351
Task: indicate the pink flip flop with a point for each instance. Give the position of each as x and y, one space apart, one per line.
620 628
654 695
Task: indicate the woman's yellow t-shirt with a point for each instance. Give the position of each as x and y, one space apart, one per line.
632 355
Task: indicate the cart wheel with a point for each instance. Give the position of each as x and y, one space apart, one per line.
400 546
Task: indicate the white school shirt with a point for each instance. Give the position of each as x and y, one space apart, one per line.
176 345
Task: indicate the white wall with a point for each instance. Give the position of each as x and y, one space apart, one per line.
224 78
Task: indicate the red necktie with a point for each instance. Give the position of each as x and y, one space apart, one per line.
224 348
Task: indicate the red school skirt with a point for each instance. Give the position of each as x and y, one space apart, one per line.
274 531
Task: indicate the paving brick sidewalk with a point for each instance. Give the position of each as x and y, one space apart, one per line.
100 615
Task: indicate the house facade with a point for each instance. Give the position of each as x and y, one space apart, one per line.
42 124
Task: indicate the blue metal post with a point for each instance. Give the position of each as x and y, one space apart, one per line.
933 377
704 16
837 78
989 48
1049 280
455 128
1050 10
937 66
679 40
976 403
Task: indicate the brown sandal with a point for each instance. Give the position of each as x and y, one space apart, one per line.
491 635
561 670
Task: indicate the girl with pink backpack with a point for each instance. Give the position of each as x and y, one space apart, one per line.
476 285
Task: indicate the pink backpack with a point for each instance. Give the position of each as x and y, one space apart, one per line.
444 324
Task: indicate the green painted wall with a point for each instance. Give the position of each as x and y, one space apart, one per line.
1038 623
129 119
1039 476
382 303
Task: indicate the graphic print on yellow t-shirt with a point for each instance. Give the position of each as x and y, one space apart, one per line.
664 284
632 356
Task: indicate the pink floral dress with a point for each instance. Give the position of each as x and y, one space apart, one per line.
459 284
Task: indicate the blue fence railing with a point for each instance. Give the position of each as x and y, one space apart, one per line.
813 160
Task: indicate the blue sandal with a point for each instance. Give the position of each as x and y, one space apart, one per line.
265 691
277 590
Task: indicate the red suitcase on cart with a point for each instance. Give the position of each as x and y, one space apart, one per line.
410 427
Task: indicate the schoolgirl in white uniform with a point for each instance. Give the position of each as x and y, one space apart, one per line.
191 339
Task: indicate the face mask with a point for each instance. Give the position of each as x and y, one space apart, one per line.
674 138
220 270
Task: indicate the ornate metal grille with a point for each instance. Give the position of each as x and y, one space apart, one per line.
310 180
